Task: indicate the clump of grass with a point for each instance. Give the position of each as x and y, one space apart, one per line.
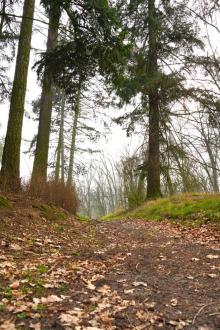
116 215
4 202
195 209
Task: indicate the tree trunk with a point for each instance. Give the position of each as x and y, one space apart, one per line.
60 146
62 135
153 175
2 17
43 137
73 140
10 171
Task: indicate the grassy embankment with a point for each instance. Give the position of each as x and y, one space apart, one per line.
188 209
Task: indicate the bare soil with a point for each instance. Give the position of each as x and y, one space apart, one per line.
128 274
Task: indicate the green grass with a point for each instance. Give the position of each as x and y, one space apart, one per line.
5 202
82 218
187 208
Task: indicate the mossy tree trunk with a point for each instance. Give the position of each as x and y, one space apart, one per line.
10 171
73 139
153 174
41 154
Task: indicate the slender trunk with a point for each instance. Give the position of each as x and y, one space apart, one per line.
10 171
43 137
60 145
73 139
2 17
153 175
62 136
57 167
169 182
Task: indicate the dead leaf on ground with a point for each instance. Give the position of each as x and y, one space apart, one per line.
212 256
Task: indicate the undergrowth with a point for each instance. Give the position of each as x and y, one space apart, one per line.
50 212
56 193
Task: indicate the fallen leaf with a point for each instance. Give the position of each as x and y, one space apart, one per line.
174 302
195 259
212 256
190 277
8 325
128 291
15 247
212 275
91 286
15 285
139 284
35 326
67 319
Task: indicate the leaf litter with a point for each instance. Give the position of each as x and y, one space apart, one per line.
119 275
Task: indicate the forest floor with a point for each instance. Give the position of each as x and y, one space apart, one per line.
129 274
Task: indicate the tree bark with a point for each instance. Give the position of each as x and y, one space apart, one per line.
73 139
41 154
153 175
2 17
10 171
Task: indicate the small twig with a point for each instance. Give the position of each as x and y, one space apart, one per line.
200 310
136 267
214 314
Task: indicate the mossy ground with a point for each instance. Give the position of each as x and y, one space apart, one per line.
50 212
188 209
82 217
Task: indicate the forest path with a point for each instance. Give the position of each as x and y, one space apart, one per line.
114 275
171 273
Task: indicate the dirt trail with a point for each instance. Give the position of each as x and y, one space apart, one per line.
114 275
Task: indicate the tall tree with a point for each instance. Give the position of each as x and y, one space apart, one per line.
10 171
41 154
60 145
76 113
153 170
163 35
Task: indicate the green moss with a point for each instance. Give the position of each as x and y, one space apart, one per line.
189 209
82 217
2 307
118 214
40 308
7 293
4 202
42 269
50 212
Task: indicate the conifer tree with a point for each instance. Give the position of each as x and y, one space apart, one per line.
163 34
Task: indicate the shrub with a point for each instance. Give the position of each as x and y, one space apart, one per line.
56 193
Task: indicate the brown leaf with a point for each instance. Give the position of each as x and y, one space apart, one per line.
15 285
8 325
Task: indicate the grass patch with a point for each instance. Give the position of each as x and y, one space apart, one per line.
81 217
5 202
188 209
119 214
